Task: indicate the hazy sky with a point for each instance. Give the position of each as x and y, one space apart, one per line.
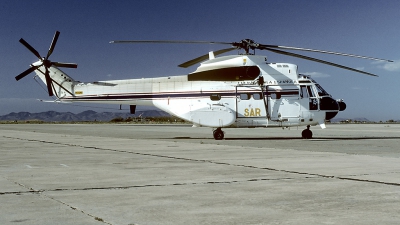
363 27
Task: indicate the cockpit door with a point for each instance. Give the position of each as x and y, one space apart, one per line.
308 98
309 102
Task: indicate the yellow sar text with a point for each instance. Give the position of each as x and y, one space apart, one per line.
252 112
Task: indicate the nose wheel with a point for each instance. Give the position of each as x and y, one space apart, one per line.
218 134
307 133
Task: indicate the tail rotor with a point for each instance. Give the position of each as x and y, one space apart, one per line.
44 62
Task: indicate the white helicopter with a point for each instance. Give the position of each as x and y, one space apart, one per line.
230 91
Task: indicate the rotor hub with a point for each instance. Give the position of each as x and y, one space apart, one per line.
46 63
246 45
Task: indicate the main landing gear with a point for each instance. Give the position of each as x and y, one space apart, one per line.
307 133
218 134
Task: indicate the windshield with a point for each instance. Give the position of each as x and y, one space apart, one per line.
321 91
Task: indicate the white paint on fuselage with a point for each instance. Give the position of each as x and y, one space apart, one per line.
182 98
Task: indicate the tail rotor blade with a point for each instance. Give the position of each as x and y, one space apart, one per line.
67 65
53 44
28 46
26 72
49 83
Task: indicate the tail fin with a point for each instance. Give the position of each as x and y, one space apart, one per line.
58 82
61 83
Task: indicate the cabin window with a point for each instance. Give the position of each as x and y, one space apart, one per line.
244 96
215 97
257 96
275 95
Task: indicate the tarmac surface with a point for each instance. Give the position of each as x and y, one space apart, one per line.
176 174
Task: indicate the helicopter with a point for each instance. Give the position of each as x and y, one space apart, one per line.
243 90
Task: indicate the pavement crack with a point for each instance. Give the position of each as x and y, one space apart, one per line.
369 181
42 191
76 209
208 161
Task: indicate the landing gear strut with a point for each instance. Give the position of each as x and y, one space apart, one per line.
218 134
307 133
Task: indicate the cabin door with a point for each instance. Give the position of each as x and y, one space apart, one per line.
283 103
249 102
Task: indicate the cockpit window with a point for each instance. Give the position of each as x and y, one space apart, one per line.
321 91
310 92
303 92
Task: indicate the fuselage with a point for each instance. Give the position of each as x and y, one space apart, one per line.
239 91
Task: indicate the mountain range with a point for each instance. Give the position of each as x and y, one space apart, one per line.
89 115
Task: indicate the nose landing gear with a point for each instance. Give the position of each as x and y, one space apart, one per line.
218 134
307 133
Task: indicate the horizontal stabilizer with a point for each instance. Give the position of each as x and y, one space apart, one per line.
54 101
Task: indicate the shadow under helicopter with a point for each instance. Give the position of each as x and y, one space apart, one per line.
293 138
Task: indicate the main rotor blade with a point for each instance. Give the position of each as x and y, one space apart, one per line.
28 46
204 57
67 65
321 51
317 60
169 42
26 72
53 44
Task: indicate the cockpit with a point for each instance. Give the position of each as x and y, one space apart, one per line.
307 79
319 98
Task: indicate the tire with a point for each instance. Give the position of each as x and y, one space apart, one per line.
306 134
218 134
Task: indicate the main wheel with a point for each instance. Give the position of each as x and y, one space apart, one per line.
306 134
218 134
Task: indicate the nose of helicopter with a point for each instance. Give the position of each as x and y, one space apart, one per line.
342 105
332 106
328 103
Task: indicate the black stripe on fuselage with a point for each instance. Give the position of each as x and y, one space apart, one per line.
182 95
